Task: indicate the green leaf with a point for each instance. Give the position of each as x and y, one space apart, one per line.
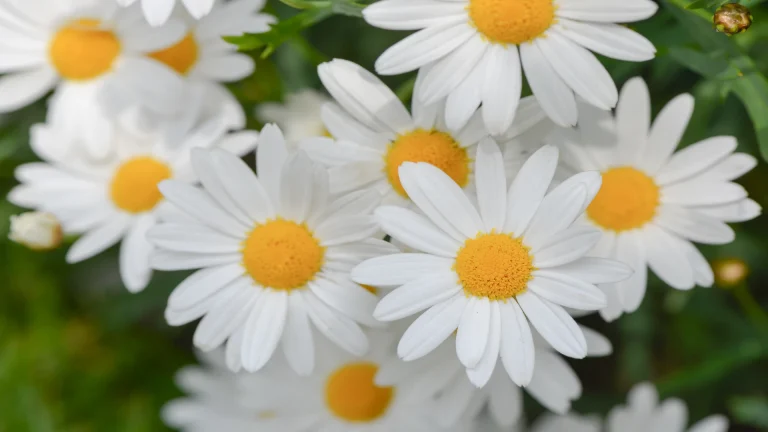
280 32
726 63
704 4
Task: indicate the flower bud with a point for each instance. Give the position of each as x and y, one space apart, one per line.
730 272
38 231
732 18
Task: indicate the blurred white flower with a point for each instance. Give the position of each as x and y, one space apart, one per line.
157 12
299 116
36 230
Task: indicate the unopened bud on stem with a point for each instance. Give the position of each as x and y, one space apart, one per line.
38 231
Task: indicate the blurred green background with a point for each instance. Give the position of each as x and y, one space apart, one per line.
78 353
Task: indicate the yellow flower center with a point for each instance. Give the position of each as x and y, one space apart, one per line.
180 57
511 21
627 200
134 185
282 254
496 266
351 394
433 147
81 50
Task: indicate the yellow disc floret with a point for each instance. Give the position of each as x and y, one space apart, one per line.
282 254
433 147
180 57
352 395
82 50
496 266
627 200
134 185
511 21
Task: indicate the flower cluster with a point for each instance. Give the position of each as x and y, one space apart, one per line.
377 268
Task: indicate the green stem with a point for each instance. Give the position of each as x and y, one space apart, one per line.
405 91
751 307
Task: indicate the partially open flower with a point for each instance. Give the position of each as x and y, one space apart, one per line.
730 272
732 18
38 231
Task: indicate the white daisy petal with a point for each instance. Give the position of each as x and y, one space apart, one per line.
242 185
134 254
740 211
481 374
554 95
666 132
98 239
565 246
445 195
399 269
491 185
226 315
566 291
506 401
517 353
579 69
416 296
415 231
554 325
171 261
263 329
446 74
271 155
733 167
501 89
633 120
667 259
298 343
431 328
608 39
192 238
200 205
202 284
693 193
695 158
346 297
528 189
423 47
337 328
715 423
631 249
693 225
413 15
595 270
557 211
296 188
607 10
474 330
409 179
597 344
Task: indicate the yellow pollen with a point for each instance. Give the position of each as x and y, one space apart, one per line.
266 415
351 394
134 185
370 289
326 133
511 21
496 266
82 51
433 147
282 254
627 200
180 57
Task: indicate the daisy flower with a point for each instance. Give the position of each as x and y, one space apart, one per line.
493 269
215 400
299 116
79 47
116 199
644 412
476 52
157 12
342 396
439 374
275 253
376 134
654 202
204 60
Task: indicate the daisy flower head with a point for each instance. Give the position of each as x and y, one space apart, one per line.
78 48
490 270
463 396
274 254
214 399
654 202
477 51
644 412
202 61
376 134
157 12
299 116
117 199
342 395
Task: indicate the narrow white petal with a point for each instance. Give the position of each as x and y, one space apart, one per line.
666 132
481 374
416 231
298 343
566 291
517 353
474 329
491 184
398 269
528 189
667 259
416 296
554 325
263 329
431 328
